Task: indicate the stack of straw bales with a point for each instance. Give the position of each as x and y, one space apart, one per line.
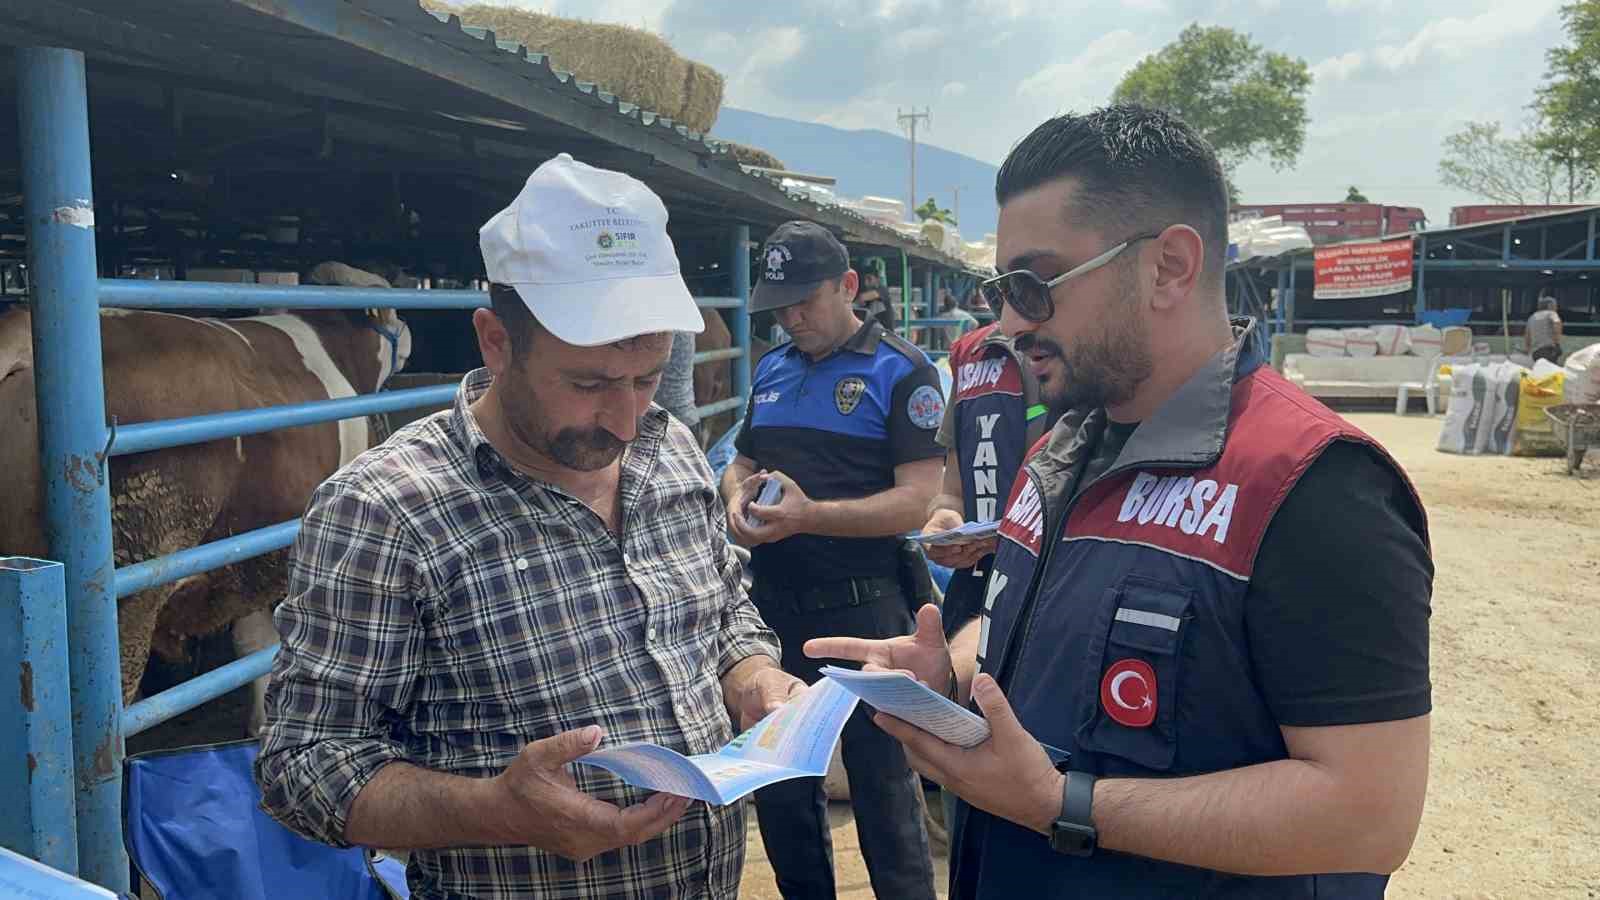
637 66
754 156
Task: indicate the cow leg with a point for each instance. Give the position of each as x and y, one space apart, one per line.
136 628
251 633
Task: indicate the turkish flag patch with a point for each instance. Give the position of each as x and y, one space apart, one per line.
1128 693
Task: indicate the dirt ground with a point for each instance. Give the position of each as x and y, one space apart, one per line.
1513 805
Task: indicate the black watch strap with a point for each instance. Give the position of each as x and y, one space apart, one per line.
1077 798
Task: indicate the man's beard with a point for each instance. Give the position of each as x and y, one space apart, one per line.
1101 371
579 449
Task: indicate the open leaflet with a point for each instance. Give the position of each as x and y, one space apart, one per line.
794 741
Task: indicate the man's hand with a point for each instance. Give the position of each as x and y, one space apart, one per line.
791 516
738 526
542 807
956 556
755 687
923 653
1008 775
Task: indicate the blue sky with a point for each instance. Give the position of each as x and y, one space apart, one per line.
1393 77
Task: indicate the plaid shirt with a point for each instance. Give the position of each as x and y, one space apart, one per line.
445 610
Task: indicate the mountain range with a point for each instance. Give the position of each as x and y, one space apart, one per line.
869 161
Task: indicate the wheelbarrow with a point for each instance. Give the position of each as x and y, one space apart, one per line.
1578 427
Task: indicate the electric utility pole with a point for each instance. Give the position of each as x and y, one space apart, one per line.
910 119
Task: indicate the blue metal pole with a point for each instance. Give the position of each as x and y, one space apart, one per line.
58 204
175 701
739 272
1422 279
205 558
133 292
1588 252
36 742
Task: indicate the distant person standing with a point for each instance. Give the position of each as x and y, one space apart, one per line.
1542 338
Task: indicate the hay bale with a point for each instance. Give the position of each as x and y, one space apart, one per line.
637 66
754 156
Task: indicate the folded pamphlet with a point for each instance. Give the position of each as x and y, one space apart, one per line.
966 533
795 740
908 699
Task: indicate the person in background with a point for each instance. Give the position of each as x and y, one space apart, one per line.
950 309
1203 651
1541 339
872 302
676 395
843 419
994 414
503 586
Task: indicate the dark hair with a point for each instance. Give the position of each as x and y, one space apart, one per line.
1138 169
514 315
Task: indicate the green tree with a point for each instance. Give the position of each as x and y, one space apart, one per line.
930 209
1246 101
1354 195
1501 168
1569 101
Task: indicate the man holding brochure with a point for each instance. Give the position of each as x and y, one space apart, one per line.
503 587
1210 592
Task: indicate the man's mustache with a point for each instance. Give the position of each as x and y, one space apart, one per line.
1031 343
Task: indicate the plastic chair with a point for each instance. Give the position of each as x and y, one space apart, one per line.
194 828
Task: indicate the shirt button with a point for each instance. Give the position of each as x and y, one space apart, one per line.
627 560
650 633
522 565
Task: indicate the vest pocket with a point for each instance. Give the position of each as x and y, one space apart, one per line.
1131 674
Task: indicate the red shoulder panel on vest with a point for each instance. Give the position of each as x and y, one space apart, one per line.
1024 520
1218 514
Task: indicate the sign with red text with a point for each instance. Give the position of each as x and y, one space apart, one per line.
1350 271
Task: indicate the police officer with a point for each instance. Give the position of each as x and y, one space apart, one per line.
1210 591
843 417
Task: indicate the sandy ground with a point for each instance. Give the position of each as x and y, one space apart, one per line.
1513 805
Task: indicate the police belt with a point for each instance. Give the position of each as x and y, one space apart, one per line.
825 595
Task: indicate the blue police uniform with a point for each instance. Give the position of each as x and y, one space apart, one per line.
839 426
1119 618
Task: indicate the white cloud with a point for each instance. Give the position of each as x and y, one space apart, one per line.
1338 68
1456 38
917 39
953 90
1355 5
1087 79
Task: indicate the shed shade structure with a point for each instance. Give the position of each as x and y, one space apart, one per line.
271 134
1489 273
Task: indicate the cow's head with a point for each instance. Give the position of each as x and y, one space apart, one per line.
394 344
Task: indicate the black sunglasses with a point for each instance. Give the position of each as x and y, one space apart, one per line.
1030 295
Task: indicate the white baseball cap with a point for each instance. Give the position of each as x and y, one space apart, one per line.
587 250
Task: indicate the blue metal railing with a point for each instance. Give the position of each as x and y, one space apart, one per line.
76 445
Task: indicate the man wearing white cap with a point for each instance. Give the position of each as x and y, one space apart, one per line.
502 587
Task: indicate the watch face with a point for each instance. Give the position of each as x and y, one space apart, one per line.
1072 839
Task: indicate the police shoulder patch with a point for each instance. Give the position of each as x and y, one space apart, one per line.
925 407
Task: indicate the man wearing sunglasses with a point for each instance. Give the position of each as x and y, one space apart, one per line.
1210 591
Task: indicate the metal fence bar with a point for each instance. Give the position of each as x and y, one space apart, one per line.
142 294
58 206
721 406
739 273
147 436
36 706
204 558
721 302
175 701
711 356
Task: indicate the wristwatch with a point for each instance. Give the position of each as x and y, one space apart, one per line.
1072 833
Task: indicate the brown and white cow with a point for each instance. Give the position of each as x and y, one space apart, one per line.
161 366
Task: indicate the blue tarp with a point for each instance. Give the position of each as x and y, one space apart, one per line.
194 829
